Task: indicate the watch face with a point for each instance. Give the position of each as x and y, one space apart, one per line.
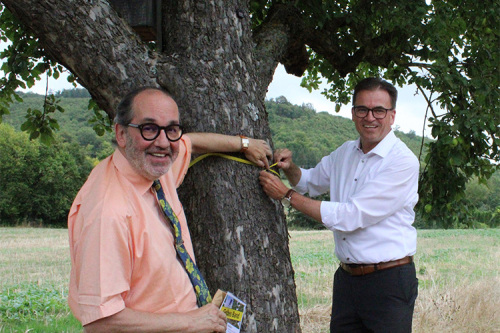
285 202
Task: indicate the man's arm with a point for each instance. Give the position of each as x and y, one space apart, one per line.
206 319
274 188
258 150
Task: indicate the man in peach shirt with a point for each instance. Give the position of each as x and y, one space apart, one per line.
125 273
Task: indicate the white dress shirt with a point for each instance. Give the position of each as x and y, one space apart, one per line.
372 199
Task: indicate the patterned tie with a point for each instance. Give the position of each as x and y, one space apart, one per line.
199 284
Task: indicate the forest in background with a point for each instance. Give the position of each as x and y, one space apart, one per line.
38 182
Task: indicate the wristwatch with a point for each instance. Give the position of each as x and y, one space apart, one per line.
287 198
245 142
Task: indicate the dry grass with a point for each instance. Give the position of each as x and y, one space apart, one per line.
29 255
458 271
459 308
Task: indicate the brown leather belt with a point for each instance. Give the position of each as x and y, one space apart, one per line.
363 269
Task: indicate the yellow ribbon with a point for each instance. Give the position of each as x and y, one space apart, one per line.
229 157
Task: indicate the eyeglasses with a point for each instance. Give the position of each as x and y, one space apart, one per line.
378 112
151 131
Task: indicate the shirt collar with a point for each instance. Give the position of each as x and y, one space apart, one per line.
124 167
383 147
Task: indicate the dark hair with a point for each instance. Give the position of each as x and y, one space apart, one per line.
124 112
374 83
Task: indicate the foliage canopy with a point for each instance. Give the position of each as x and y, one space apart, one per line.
38 182
448 49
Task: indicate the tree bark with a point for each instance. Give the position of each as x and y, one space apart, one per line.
218 72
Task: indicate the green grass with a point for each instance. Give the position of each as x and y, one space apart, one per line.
34 308
457 255
458 271
313 261
34 272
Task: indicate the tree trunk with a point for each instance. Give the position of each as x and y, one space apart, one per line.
212 65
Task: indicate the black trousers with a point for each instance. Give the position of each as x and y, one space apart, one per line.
382 301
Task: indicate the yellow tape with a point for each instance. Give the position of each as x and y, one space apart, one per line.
229 157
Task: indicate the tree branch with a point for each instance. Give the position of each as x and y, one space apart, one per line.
98 47
275 42
429 102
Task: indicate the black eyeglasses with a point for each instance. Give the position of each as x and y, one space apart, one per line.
151 131
378 112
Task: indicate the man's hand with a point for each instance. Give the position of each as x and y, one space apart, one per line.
259 153
275 189
272 185
207 319
284 159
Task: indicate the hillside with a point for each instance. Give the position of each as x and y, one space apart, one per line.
310 135
74 121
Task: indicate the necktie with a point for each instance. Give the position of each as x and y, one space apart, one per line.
199 284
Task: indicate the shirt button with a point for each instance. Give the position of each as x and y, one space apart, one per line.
348 259
355 179
343 238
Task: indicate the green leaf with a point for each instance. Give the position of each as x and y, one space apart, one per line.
47 138
27 125
34 135
18 98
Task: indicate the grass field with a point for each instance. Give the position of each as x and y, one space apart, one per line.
458 271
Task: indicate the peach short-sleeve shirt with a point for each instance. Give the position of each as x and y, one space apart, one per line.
121 246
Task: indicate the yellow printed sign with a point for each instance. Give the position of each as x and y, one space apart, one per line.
232 314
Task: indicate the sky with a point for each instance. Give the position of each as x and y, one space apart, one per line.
410 110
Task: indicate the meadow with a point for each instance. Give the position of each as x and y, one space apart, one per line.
458 271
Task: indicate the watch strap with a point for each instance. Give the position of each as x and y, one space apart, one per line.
245 142
288 195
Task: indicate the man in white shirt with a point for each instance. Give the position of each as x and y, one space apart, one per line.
373 184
